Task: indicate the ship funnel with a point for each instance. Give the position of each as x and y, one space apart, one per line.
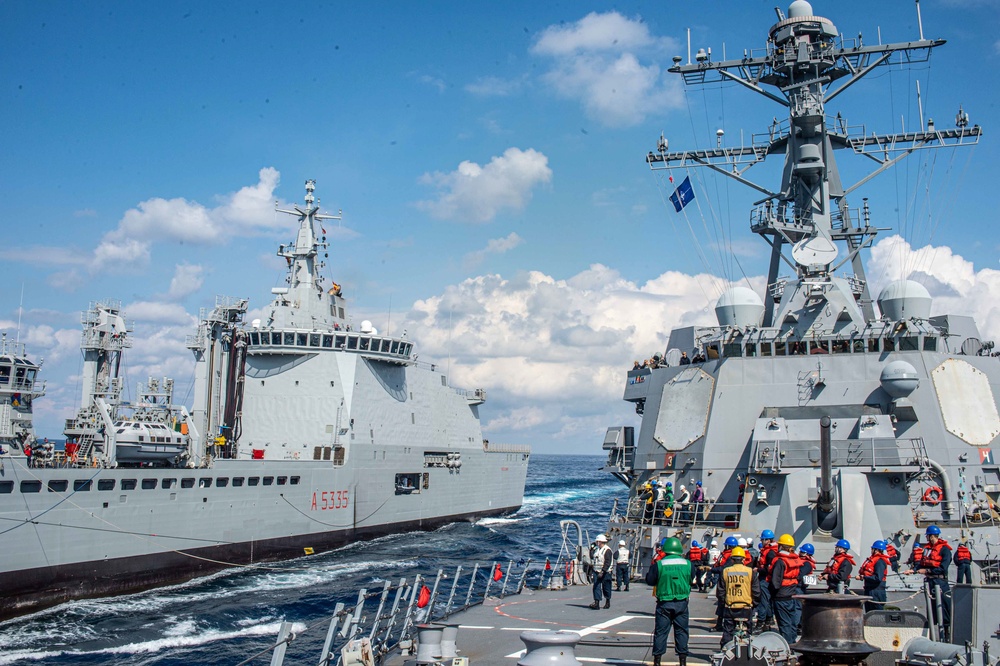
739 306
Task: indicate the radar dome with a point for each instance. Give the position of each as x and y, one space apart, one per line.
366 326
905 299
739 306
799 8
899 379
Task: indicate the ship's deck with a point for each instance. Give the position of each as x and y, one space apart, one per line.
489 634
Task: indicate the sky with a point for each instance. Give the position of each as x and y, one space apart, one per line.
488 158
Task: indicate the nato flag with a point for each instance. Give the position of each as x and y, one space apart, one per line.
682 195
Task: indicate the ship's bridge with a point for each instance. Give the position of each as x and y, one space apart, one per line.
286 341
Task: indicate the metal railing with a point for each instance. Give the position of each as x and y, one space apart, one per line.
386 618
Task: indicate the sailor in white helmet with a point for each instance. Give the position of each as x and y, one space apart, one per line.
621 567
603 559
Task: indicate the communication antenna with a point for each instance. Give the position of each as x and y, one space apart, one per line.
20 309
920 22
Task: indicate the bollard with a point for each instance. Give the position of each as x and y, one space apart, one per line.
429 643
449 639
549 648
833 629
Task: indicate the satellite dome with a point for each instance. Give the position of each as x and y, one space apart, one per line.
905 299
366 326
799 8
899 379
739 306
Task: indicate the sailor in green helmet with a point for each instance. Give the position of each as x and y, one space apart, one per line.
671 578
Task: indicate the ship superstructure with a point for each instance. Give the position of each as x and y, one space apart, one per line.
814 409
305 434
20 386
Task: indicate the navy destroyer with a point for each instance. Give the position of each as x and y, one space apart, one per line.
812 408
305 434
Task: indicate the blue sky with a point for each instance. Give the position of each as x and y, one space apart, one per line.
488 158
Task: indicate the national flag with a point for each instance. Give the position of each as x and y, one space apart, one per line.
986 457
682 195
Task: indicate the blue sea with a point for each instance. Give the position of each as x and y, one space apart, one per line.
227 617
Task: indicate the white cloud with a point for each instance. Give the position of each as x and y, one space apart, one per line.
494 86
157 312
495 246
597 62
248 211
187 280
953 282
477 193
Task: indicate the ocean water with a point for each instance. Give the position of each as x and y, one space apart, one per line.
227 617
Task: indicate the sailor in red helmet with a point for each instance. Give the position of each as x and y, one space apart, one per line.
934 565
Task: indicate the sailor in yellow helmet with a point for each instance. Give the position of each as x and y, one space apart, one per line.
738 592
784 580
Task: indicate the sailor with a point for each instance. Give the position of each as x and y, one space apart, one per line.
683 503
621 567
934 565
648 498
684 359
671 578
696 501
916 555
768 551
893 554
731 543
808 567
873 573
738 593
838 570
713 555
963 563
699 564
784 582
603 558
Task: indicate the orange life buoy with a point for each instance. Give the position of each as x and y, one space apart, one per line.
933 495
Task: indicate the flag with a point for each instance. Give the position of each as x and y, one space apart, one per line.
497 573
682 195
548 565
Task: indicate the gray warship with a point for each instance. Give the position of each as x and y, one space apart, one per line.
812 408
304 435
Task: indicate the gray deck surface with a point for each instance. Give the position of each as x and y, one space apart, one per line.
489 634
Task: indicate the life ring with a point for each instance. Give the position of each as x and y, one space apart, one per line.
933 496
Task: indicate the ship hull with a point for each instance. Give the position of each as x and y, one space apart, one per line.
76 533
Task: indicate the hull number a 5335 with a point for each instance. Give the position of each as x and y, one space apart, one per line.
330 499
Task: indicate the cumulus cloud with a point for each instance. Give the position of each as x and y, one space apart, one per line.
248 211
187 280
596 61
953 282
158 312
494 86
495 246
475 193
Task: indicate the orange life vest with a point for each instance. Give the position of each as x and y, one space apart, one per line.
963 554
932 554
792 562
696 553
868 567
891 551
724 557
833 566
762 563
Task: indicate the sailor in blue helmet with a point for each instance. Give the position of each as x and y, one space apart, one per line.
807 572
768 551
838 570
873 573
934 566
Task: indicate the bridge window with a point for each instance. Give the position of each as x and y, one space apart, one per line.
889 345
751 349
187 483
873 346
237 481
327 341
105 484
253 481
168 483
314 339
268 480
58 485
205 482
6 487
129 484
31 486
148 484
301 339
765 349
930 344
909 343
352 342
222 481
779 348
340 342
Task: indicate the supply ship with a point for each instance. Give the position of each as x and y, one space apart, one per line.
814 407
304 435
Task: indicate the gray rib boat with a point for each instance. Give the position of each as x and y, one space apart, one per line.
305 434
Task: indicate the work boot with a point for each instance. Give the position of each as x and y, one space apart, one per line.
607 604
682 660
656 660
595 605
